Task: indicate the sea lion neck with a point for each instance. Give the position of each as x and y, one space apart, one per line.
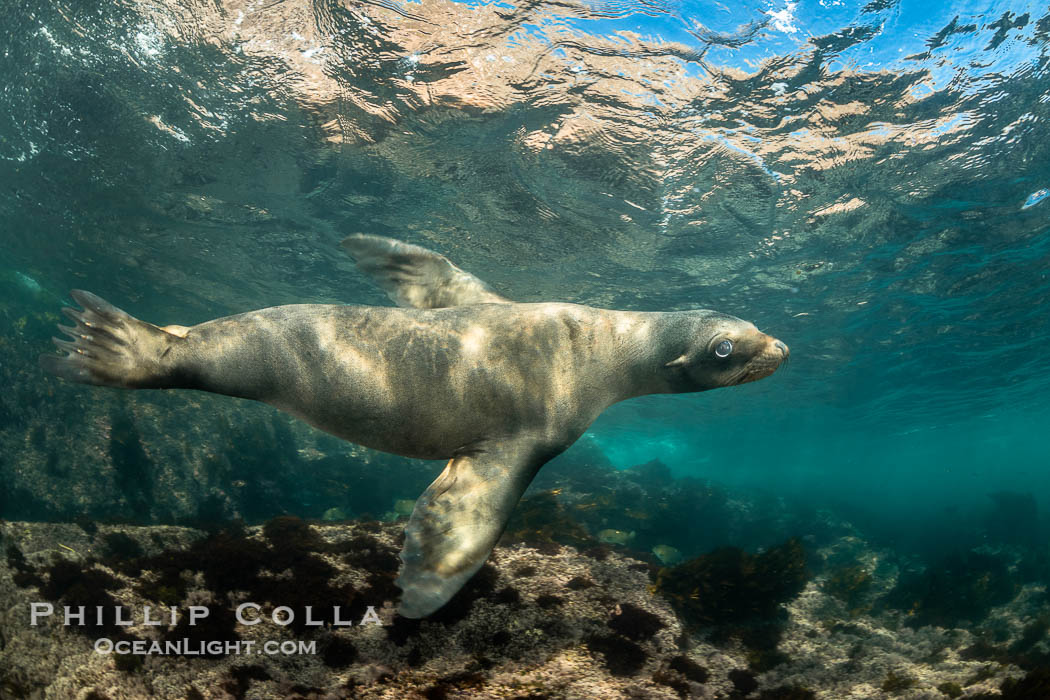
644 342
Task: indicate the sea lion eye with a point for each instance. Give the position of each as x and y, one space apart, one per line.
724 348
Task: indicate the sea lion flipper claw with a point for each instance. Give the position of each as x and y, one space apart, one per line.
108 347
456 523
416 277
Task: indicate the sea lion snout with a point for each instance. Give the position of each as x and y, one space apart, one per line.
770 355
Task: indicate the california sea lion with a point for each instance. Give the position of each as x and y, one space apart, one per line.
460 373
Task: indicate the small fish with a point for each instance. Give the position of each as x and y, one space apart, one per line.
667 554
334 514
615 536
404 506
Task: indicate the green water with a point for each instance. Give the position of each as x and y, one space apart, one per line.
867 187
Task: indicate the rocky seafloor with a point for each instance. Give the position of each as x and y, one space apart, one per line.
543 619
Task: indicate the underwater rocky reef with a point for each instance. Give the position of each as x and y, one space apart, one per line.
563 609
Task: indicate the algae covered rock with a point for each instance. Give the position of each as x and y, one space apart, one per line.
736 594
961 587
730 586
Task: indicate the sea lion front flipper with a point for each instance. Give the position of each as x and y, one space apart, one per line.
417 277
457 521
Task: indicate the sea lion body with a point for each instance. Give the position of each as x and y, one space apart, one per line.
429 383
496 387
420 383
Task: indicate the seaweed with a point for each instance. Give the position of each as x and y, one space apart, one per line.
508 595
89 526
368 553
132 466
787 692
285 571
850 584
290 533
240 677
738 594
1034 632
338 652
487 639
500 638
79 585
680 673
622 657
950 688
635 623
232 562
119 545
579 583
744 682
689 668
961 587
128 663
24 576
894 683
1022 653
481 585
220 625
541 520
464 680
673 681
401 629
599 552
379 587
981 674
1034 686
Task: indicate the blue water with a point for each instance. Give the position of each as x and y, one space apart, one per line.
863 180
866 181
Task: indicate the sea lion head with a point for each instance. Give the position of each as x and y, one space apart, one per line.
721 350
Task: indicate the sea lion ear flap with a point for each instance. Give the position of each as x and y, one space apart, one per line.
416 277
680 361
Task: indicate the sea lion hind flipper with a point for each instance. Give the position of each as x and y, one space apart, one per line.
416 277
456 523
109 347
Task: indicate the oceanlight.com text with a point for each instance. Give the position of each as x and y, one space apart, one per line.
196 647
